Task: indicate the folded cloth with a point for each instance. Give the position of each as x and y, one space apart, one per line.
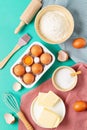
51 2
73 120
78 10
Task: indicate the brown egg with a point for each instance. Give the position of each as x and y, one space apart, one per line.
36 50
28 78
19 70
45 58
80 106
79 43
37 68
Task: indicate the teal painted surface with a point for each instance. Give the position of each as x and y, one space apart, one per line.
10 10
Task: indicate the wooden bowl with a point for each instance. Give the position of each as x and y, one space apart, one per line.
58 86
65 12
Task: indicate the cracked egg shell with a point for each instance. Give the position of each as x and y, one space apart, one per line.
9 118
36 50
19 70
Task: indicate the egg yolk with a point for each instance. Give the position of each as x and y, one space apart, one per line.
27 60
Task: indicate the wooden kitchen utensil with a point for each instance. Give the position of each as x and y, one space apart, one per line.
75 73
28 14
22 41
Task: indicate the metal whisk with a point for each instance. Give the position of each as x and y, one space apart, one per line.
11 102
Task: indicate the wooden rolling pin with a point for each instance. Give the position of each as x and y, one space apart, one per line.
28 14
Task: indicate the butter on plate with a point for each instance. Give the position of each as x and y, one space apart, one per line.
49 119
47 110
47 99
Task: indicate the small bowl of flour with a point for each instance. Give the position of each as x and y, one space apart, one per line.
54 24
63 80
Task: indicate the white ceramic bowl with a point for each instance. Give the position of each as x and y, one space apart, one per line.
66 14
64 79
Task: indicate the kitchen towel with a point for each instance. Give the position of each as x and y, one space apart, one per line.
78 10
73 120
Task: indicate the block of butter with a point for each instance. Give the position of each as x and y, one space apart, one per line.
49 119
40 97
47 99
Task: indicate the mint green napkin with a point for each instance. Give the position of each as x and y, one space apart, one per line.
78 10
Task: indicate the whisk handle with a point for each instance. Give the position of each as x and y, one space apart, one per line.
24 120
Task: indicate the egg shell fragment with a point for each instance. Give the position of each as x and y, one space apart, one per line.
17 86
9 118
62 56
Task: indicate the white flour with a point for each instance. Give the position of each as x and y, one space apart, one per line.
64 79
54 25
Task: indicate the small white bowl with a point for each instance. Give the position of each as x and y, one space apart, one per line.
63 11
63 80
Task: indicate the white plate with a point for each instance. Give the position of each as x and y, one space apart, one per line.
46 67
36 110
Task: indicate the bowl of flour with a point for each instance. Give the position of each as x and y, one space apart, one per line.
63 80
54 24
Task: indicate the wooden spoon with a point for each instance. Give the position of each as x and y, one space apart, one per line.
76 73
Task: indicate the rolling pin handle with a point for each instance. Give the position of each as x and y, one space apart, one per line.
21 25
